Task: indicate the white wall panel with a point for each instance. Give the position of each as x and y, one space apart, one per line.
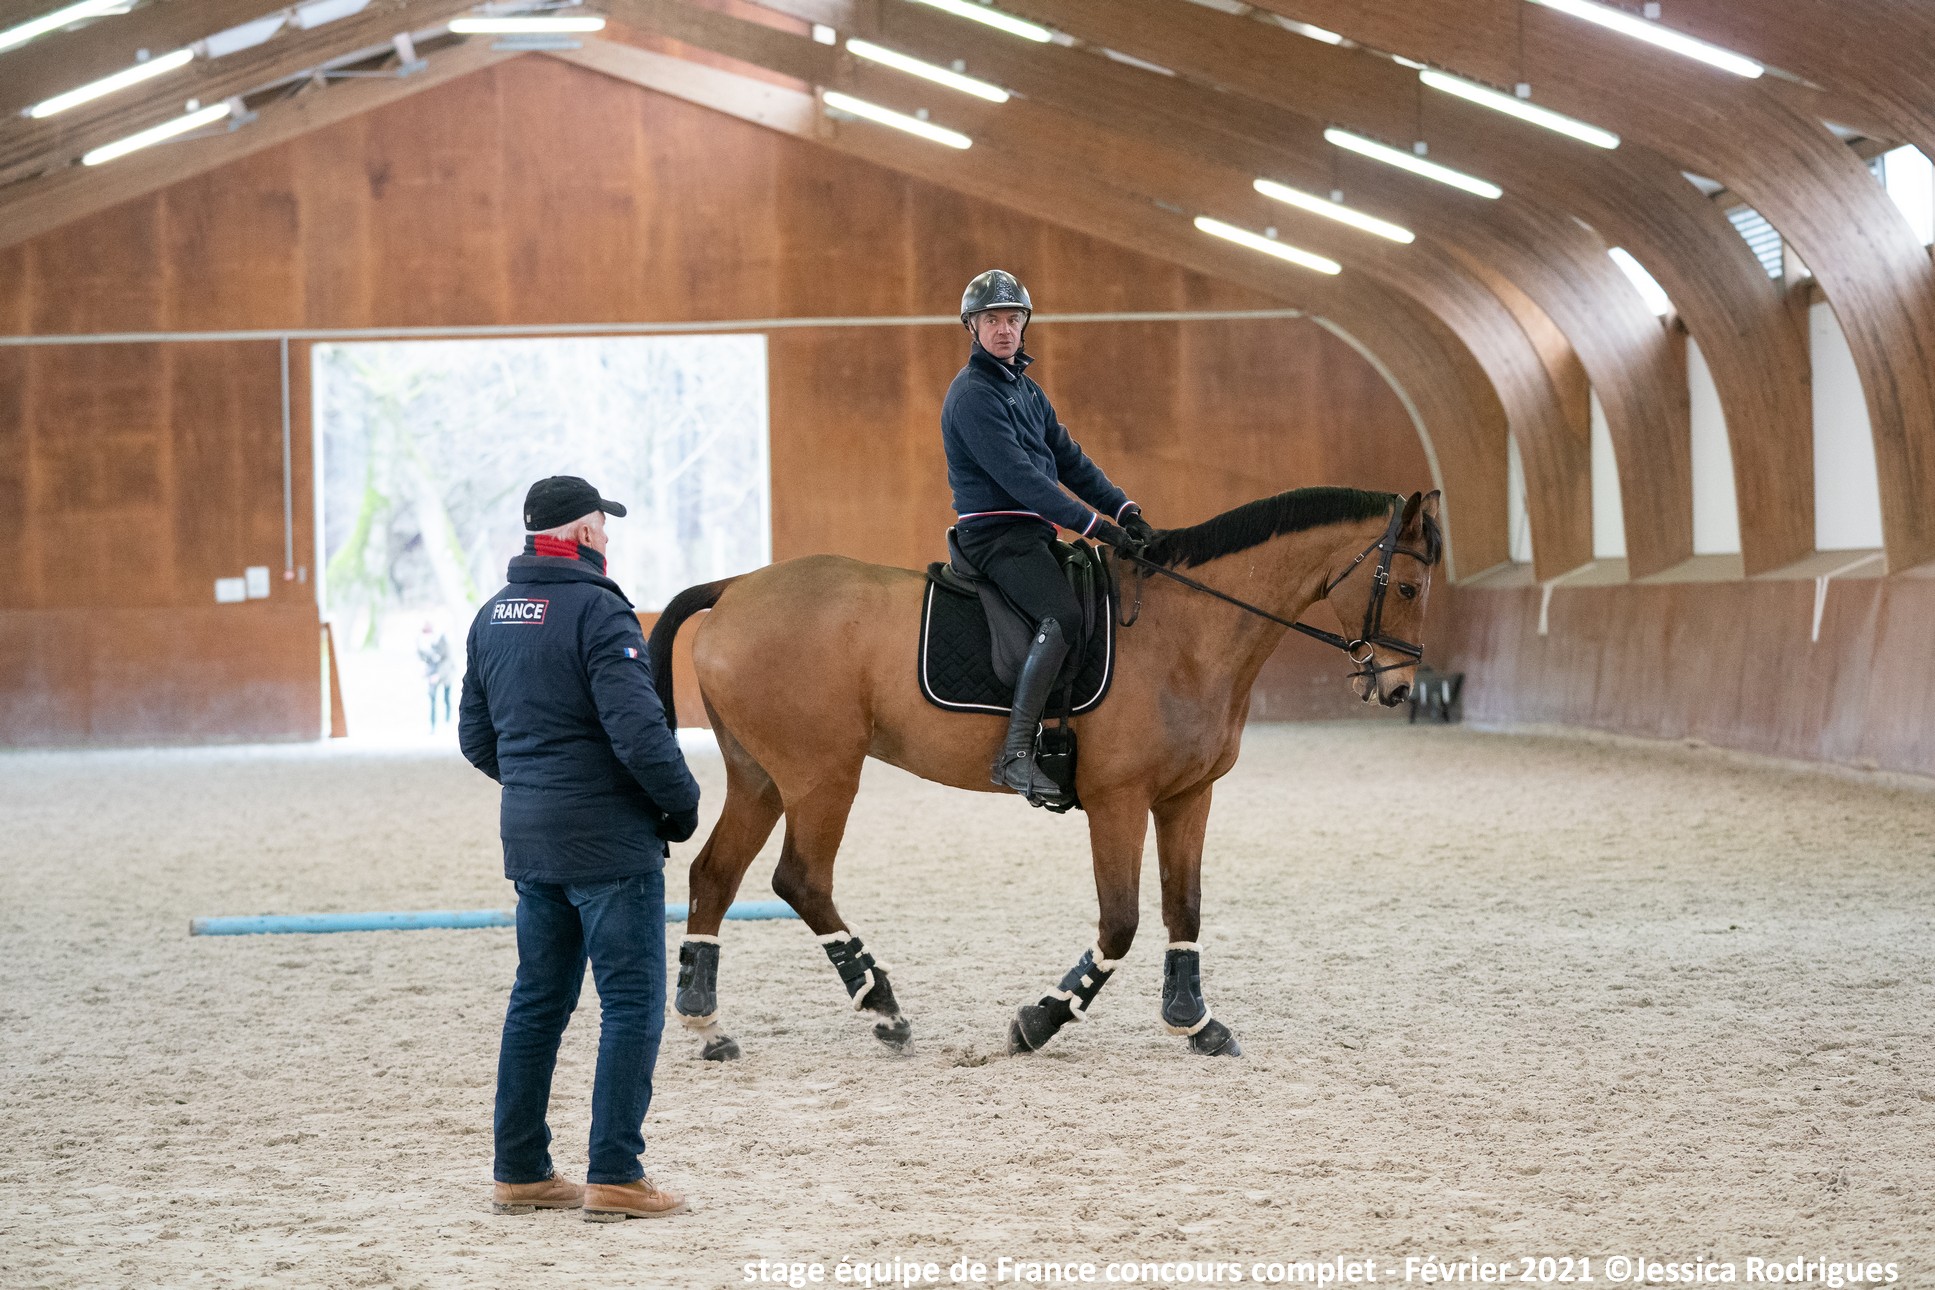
1716 509
1847 491
1608 520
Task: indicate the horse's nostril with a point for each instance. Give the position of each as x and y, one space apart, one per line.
1400 694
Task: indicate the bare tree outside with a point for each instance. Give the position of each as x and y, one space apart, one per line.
427 448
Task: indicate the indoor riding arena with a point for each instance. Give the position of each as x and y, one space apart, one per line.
1456 807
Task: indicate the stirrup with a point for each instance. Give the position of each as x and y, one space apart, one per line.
1039 789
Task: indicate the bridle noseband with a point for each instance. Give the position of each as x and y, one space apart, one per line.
1361 649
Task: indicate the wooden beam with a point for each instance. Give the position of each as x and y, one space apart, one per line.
1556 450
28 147
1458 414
77 192
49 66
1785 163
1633 196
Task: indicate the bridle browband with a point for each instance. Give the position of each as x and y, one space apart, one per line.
1372 633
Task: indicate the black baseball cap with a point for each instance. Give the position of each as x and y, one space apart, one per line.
561 499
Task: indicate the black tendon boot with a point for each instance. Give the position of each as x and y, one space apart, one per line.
865 979
1036 1023
1015 766
697 999
1184 1011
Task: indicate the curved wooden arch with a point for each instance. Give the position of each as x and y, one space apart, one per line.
1790 167
1459 417
1167 167
1756 353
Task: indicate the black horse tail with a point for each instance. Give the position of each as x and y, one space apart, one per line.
692 600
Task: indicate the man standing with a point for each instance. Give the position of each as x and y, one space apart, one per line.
1008 460
559 707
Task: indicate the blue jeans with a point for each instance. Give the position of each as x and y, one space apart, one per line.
620 926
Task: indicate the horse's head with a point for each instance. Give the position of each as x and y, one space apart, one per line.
1380 600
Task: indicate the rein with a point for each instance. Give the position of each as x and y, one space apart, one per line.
1372 632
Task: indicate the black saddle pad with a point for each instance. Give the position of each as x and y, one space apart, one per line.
957 657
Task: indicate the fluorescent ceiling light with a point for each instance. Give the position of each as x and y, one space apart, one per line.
1650 290
1334 210
109 84
1311 30
898 120
246 36
926 71
1652 33
54 21
1416 165
156 134
318 12
1485 96
1256 242
523 26
993 18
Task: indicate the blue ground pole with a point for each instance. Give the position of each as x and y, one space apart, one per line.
418 920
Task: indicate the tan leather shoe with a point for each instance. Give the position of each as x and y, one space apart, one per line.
616 1202
521 1198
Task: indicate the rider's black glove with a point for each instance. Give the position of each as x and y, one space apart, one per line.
1112 535
1138 528
679 825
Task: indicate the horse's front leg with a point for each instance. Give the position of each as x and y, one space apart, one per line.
1116 830
1180 824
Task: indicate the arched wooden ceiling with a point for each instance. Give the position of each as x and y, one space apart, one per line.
1494 318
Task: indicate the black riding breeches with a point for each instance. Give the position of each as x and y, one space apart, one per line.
1020 558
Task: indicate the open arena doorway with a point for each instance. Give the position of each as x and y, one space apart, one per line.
425 448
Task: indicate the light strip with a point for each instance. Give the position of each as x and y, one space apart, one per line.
1282 250
1485 96
1649 289
54 21
1652 33
109 84
994 18
1334 210
156 134
898 120
926 71
1416 165
525 26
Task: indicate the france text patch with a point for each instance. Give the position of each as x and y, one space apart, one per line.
528 612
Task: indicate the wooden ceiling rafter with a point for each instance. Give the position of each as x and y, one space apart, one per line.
75 193
63 61
1785 162
28 147
1458 412
1554 442
1632 196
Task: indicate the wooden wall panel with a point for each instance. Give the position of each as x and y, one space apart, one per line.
486 200
1728 663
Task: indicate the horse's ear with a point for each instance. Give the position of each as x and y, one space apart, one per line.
1411 507
1431 500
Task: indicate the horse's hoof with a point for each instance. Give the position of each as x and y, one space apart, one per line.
897 1033
720 1048
1215 1040
1032 1027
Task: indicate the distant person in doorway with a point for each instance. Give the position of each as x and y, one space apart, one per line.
1009 459
439 669
559 707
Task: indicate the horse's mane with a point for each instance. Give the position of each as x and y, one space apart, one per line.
1254 523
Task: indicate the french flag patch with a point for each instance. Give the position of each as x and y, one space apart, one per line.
630 652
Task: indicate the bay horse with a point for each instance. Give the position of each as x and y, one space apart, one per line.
807 668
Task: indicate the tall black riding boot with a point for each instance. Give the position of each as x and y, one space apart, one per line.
1015 765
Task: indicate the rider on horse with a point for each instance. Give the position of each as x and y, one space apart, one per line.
1008 459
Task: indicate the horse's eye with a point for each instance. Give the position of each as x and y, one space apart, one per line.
1408 590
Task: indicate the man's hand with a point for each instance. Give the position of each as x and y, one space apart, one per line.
1138 528
1113 535
679 826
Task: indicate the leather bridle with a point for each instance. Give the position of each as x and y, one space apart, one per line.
1361 649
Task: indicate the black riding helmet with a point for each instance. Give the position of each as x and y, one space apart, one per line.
995 289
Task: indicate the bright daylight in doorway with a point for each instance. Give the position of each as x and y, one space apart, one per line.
425 449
